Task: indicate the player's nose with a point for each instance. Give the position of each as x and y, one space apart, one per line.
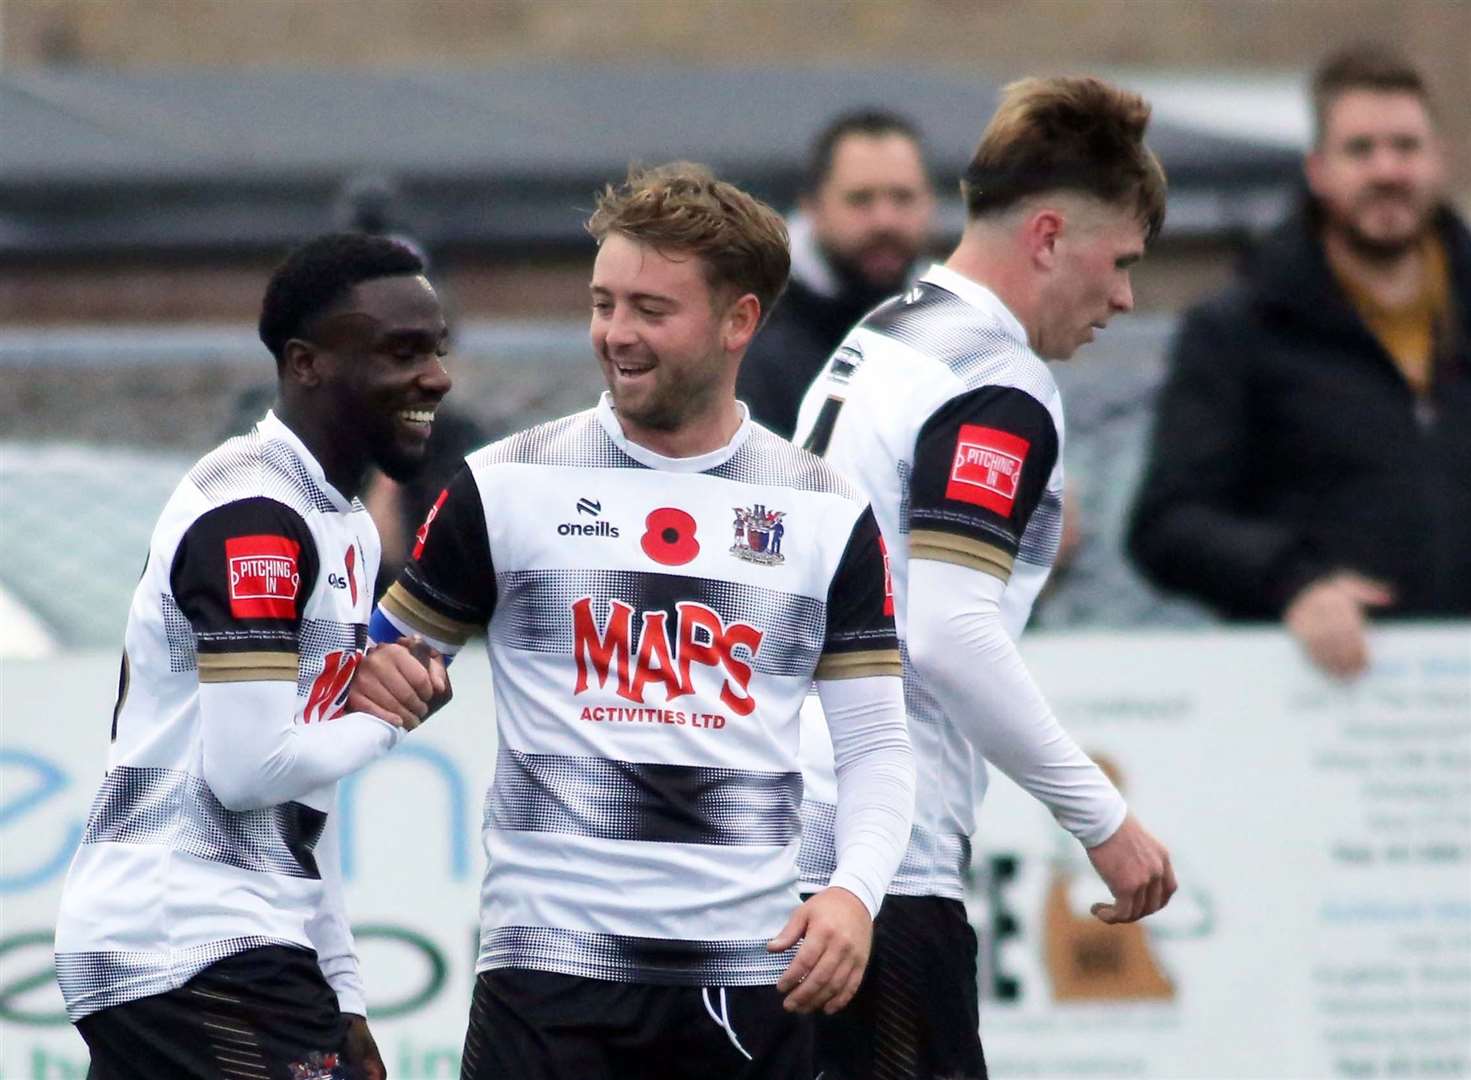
620 330
437 379
1122 300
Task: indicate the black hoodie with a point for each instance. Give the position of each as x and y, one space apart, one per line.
1287 444
822 302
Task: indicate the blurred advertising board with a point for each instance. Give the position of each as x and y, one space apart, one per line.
1321 834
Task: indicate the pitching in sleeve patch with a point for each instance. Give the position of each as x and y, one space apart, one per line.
987 468
264 576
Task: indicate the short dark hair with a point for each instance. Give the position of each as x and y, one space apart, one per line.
682 207
870 122
320 273
1364 66
1066 134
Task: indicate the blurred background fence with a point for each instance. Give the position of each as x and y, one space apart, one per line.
102 423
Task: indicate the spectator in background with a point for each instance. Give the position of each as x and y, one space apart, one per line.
1311 458
370 203
864 218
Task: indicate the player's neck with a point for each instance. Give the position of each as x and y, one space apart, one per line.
342 463
988 264
711 430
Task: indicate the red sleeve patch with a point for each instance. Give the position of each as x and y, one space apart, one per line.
987 468
421 536
888 578
264 577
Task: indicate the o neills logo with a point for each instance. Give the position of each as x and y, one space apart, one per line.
597 528
263 576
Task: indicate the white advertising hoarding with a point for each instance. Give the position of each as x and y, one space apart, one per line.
1321 834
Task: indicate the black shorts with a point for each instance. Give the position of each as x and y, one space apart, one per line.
264 1014
917 1014
539 1025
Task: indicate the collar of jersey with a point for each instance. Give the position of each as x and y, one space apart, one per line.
978 296
644 456
271 427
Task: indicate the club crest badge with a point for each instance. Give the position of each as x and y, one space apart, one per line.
758 535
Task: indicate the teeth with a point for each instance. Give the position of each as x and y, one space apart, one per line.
418 416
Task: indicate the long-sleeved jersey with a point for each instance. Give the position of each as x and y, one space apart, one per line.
211 832
653 625
936 407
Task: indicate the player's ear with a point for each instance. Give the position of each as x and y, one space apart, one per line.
302 363
741 320
1040 232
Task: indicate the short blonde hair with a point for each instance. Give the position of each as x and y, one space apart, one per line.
1067 134
683 207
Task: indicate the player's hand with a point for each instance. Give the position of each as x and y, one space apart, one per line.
433 661
1327 618
836 934
392 684
1136 868
360 1052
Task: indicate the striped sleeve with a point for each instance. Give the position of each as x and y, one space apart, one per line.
981 467
447 590
860 639
241 575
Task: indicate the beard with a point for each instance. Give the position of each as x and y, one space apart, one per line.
675 396
1378 247
391 455
398 463
857 282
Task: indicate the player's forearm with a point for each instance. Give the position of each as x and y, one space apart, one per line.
966 659
876 782
256 755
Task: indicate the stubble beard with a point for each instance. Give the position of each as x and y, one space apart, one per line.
401 466
1381 249
673 402
854 281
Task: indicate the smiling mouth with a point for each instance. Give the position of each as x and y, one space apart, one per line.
629 371
419 420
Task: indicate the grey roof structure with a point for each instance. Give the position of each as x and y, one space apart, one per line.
103 162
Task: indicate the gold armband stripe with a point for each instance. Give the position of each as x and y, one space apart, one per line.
961 551
402 604
858 665
247 667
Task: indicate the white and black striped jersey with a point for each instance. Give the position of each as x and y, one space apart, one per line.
936 407
653 625
258 572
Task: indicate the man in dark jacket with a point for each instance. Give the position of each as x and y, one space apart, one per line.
1311 459
864 219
